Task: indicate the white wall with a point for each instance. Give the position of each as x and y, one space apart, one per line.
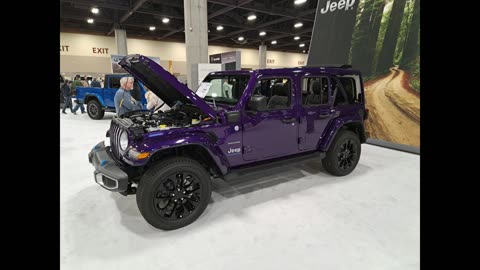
76 58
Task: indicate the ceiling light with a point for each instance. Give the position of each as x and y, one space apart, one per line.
219 28
298 2
298 25
296 38
90 20
263 33
302 45
152 28
241 38
251 17
165 20
274 42
95 10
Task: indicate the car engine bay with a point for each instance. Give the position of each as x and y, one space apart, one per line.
185 116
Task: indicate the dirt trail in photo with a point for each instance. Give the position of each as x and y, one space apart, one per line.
394 110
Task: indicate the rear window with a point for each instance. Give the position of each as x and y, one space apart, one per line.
114 82
350 89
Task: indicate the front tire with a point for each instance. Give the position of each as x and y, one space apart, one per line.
174 193
344 153
95 110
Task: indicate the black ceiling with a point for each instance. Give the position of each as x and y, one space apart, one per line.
276 17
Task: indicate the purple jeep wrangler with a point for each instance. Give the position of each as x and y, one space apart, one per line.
235 120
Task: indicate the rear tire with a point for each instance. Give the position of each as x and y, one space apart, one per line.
344 153
174 193
95 110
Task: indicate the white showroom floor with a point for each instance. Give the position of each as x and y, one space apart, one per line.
294 216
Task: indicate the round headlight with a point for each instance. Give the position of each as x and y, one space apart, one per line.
123 140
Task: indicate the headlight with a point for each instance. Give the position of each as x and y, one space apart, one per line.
123 140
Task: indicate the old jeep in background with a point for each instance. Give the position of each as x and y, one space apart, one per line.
100 100
168 159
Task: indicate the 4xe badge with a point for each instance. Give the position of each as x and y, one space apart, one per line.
234 151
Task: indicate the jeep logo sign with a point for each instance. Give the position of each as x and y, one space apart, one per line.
233 150
342 4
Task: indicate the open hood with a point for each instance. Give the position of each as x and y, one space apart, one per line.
162 83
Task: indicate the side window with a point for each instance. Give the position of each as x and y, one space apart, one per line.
350 89
114 82
345 90
314 91
271 94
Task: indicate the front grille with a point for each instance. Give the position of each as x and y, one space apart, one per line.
115 131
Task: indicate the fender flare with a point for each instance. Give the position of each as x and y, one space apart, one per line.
192 140
336 125
94 96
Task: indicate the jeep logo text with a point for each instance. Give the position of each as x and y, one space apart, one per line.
233 150
347 4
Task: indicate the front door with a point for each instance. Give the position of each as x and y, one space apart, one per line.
270 128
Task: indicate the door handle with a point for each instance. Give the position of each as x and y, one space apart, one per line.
289 120
323 115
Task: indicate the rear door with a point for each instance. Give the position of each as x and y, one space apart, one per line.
315 113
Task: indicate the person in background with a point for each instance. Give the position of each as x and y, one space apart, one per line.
124 102
95 83
83 81
67 95
154 103
76 83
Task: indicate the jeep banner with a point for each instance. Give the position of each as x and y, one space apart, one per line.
381 38
116 68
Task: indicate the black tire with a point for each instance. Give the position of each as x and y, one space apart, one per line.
155 201
95 110
344 153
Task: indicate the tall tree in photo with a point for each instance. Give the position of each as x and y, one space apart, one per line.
385 59
332 32
373 32
360 57
411 49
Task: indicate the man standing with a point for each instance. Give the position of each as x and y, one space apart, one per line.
124 102
67 94
95 83
76 83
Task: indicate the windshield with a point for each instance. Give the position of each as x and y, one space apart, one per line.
223 88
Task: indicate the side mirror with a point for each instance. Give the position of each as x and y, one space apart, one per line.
257 103
233 117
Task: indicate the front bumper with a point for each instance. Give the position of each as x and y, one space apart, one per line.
107 173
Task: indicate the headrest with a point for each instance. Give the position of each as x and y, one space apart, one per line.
316 88
279 89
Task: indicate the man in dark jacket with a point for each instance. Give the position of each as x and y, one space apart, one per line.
95 83
67 95
77 83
